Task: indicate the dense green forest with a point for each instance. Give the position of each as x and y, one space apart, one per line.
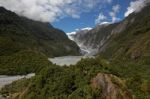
124 66
74 82
23 62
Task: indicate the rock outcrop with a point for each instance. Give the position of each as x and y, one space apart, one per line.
111 87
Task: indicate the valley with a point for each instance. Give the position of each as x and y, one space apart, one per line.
67 60
108 61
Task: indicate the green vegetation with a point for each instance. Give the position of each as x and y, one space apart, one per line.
127 56
134 42
74 82
62 82
25 44
18 33
22 63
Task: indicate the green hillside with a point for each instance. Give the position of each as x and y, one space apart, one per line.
134 42
18 33
21 39
121 70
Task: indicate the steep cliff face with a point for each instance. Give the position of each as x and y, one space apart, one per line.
79 38
92 40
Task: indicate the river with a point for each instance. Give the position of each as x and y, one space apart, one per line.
5 80
61 61
67 60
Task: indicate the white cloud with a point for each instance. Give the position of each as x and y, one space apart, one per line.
114 12
136 6
77 30
116 8
109 1
100 18
71 34
87 28
51 10
105 23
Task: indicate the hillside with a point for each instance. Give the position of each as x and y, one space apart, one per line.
19 37
102 36
26 34
120 71
92 40
134 41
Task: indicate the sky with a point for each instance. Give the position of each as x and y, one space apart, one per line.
95 16
72 15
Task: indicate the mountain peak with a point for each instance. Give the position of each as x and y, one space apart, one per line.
2 10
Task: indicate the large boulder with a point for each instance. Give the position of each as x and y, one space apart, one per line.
111 87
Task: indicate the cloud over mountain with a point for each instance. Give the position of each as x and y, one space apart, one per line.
114 12
100 18
136 6
51 10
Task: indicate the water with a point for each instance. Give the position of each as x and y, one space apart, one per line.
67 60
5 80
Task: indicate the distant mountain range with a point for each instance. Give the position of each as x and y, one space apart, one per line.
120 69
99 38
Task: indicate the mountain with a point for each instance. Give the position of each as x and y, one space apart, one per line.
78 37
132 40
31 35
119 71
92 40
19 37
98 38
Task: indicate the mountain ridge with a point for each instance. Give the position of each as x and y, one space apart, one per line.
20 37
119 71
97 37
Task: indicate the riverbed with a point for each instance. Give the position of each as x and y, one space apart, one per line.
67 60
5 80
61 61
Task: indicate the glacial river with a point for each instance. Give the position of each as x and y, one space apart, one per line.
67 60
5 80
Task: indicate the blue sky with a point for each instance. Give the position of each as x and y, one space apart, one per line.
87 19
70 15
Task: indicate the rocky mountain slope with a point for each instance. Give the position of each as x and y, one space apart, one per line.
98 38
79 37
120 70
22 39
92 40
134 41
